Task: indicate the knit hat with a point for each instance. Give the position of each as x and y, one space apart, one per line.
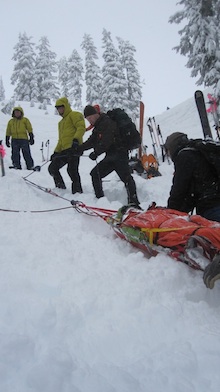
89 110
175 142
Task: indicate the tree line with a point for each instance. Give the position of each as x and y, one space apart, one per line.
39 76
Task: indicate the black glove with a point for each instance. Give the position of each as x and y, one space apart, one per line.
93 156
7 141
75 144
54 155
31 140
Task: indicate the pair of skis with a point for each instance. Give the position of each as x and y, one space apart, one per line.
156 137
148 162
201 107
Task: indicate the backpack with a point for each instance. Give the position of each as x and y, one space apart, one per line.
129 136
210 149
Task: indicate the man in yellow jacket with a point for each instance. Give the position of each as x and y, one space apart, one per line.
19 129
70 130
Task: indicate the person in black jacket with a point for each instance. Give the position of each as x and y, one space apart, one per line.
105 139
195 183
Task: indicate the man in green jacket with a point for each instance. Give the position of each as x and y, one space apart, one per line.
70 130
19 129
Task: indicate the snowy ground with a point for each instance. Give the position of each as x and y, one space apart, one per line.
82 310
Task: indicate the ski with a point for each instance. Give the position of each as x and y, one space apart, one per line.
2 154
141 127
200 103
153 137
213 109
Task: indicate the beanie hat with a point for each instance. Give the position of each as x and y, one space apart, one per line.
97 108
89 110
175 142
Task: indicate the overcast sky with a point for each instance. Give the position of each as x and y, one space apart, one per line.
143 23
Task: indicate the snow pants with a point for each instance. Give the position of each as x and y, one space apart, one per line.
72 162
118 162
23 145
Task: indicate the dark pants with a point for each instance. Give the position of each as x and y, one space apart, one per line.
212 214
117 162
72 162
23 145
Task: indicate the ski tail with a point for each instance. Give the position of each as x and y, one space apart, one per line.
141 128
200 103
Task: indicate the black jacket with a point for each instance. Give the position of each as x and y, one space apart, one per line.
195 184
103 137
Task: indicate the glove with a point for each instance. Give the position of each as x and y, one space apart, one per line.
31 140
75 144
54 155
7 141
212 272
93 156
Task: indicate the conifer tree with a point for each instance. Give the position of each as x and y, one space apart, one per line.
63 76
75 80
132 76
45 72
92 71
23 75
114 84
2 90
200 39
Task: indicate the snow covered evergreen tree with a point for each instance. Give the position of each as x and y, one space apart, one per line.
23 75
114 84
75 80
132 75
45 71
2 90
200 39
93 77
63 75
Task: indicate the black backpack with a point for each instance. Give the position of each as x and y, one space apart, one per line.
130 138
210 149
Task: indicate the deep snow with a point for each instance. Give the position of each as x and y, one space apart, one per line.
82 310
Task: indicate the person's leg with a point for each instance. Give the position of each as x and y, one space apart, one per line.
56 164
73 171
25 148
122 168
15 153
212 214
101 170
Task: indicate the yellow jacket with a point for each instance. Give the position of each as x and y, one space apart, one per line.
19 128
72 126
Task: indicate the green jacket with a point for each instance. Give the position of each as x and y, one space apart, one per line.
72 126
19 128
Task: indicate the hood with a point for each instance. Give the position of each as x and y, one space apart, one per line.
175 142
18 108
64 101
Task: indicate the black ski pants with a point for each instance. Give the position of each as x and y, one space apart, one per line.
118 162
72 162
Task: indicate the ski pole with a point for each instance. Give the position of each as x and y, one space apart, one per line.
42 151
47 144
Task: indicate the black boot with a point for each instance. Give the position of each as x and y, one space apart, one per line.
131 191
76 188
59 183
